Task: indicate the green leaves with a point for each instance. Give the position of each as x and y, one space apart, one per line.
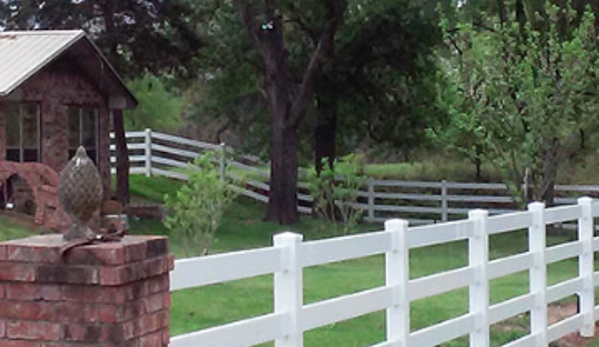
524 92
335 190
158 108
196 209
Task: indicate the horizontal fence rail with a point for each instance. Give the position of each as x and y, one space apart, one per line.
154 153
289 256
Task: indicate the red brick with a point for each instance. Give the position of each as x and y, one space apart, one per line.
109 314
130 330
95 294
153 303
110 254
2 291
130 310
66 312
132 343
167 299
135 252
98 334
33 331
2 328
59 312
67 274
157 247
166 337
152 322
17 272
156 284
151 340
27 253
138 289
119 275
32 292
19 343
171 262
3 251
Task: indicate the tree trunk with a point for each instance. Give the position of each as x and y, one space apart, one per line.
478 162
326 130
324 144
287 102
550 164
122 158
282 201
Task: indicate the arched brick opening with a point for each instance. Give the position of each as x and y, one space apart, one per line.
32 188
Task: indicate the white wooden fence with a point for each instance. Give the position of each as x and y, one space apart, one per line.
289 256
154 153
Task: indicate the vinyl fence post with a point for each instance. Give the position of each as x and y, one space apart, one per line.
397 268
370 183
586 267
444 216
478 253
538 273
148 151
288 289
223 161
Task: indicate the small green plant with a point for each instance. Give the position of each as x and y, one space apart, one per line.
335 190
196 209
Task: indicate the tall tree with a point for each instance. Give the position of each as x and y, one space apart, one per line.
526 94
286 99
376 83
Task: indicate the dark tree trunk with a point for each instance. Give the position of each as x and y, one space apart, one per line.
478 162
122 154
326 129
324 144
122 158
550 164
282 202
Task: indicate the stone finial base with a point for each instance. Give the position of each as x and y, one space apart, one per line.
105 295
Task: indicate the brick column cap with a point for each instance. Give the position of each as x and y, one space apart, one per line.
37 259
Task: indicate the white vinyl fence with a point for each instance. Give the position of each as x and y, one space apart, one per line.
154 153
289 256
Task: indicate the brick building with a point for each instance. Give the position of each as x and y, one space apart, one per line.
56 92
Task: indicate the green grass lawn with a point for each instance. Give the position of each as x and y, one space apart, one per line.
243 228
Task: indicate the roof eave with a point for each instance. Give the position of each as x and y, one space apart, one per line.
132 101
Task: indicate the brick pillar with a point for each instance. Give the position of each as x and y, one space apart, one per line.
106 295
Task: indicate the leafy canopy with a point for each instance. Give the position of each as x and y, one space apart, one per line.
524 92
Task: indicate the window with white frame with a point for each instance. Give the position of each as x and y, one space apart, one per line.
83 131
23 131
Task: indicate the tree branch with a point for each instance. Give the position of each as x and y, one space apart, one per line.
251 25
323 51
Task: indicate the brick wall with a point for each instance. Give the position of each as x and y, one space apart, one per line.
107 295
55 88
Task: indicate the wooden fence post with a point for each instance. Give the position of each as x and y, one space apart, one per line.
444 216
223 161
370 183
478 254
288 289
148 151
397 274
586 298
538 273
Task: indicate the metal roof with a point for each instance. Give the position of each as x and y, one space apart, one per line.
25 53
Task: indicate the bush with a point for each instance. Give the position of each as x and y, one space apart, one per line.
335 191
196 209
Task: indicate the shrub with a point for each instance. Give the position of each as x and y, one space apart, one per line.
335 191
196 209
